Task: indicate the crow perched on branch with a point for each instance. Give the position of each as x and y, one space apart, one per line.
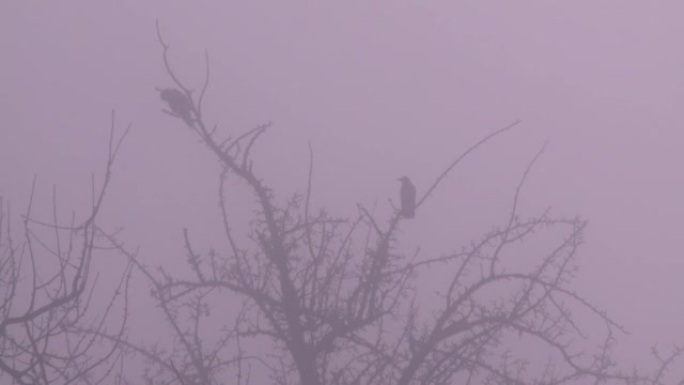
408 198
179 103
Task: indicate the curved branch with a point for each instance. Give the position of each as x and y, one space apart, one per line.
461 157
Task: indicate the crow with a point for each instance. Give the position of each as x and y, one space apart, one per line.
408 198
179 103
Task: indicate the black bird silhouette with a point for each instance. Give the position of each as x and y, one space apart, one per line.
408 198
179 103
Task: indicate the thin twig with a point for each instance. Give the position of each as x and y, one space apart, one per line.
461 157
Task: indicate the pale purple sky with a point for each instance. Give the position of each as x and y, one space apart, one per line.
380 90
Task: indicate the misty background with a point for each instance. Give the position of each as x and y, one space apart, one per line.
379 90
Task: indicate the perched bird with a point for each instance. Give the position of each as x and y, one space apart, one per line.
179 103
408 198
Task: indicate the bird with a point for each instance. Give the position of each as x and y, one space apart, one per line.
408 198
179 103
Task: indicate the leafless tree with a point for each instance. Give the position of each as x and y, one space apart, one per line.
306 298
46 292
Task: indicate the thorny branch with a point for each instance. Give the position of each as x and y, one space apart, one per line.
333 310
46 293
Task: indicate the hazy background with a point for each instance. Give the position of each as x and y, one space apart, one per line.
380 90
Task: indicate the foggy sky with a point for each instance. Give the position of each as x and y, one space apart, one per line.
380 90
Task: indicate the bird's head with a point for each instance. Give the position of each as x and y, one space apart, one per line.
404 179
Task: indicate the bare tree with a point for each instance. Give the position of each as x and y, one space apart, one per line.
46 289
311 299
